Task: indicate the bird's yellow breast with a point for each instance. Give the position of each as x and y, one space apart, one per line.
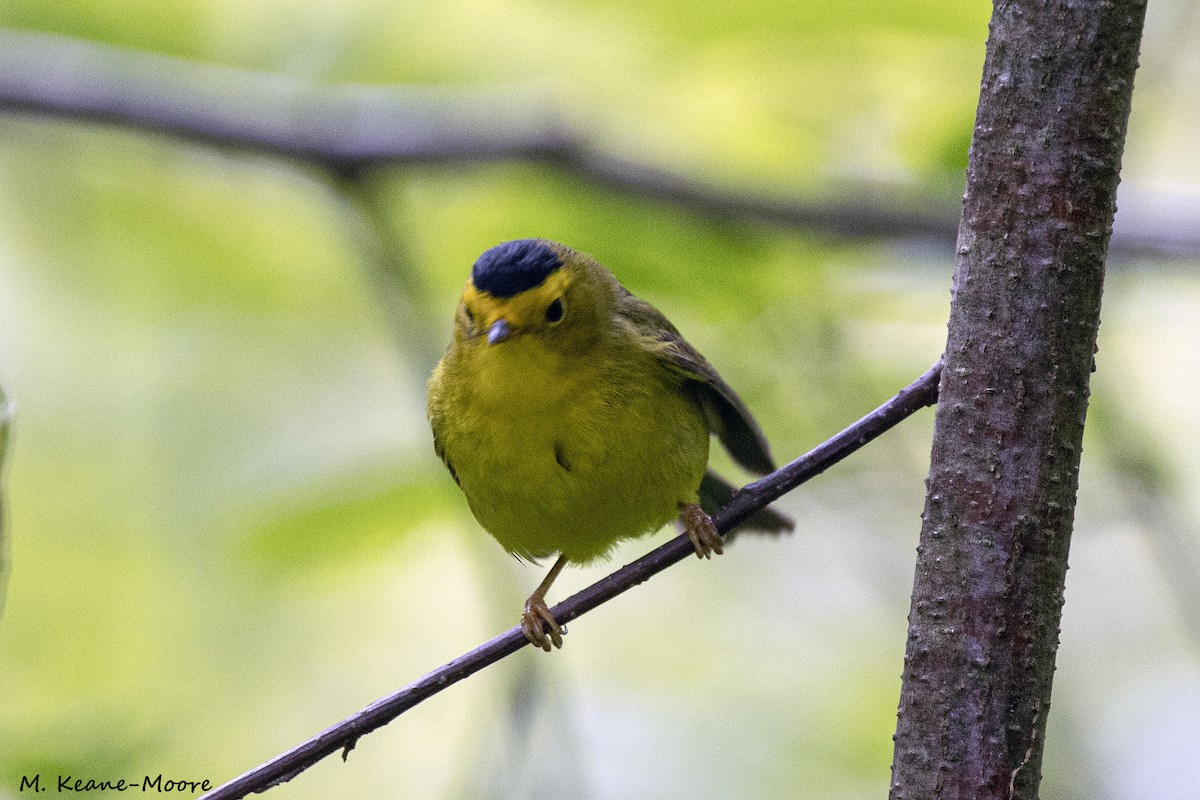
568 455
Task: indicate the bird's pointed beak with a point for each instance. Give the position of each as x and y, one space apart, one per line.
499 331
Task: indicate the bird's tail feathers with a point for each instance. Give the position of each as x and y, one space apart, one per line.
715 492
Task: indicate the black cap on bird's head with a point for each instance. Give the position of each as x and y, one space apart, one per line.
513 267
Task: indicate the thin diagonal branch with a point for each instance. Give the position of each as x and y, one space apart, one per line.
351 128
755 496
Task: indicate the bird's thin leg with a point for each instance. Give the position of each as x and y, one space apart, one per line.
539 625
700 529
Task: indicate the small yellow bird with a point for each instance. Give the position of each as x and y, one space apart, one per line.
573 415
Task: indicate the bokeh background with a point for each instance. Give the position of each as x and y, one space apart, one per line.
227 528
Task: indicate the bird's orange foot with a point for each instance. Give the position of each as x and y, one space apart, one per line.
539 625
700 529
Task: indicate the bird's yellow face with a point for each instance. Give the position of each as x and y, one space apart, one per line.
537 311
553 308
532 321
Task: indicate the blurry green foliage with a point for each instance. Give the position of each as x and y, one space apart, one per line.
6 414
328 525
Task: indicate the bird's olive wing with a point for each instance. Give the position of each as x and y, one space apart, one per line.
727 415
437 420
441 452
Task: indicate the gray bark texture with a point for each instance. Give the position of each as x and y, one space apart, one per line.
992 561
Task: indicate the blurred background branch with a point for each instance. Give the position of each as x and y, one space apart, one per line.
347 129
342 128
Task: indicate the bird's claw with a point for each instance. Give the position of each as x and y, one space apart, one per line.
539 625
700 530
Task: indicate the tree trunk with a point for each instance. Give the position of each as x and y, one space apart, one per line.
988 592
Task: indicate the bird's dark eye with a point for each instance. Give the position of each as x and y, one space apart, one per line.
554 312
470 316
